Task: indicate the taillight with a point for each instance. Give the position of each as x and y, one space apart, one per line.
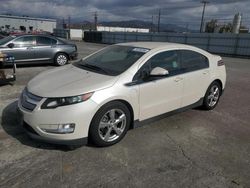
220 63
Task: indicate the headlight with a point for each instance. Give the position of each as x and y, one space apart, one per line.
56 102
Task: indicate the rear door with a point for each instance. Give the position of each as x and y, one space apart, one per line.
45 48
196 76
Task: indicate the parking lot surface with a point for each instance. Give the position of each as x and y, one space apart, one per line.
191 149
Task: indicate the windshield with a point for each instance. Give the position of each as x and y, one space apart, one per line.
5 40
112 60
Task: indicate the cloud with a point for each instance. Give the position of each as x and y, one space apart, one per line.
180 12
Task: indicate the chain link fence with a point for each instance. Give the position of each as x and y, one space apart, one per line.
226 43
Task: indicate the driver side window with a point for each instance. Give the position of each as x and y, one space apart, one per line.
168 60
25 41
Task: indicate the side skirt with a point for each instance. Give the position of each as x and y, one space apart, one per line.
138 123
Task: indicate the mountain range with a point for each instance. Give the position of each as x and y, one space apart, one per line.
142 24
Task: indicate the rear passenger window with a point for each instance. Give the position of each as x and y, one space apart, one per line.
191 61
45 41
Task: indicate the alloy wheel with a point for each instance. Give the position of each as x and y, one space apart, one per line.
213 96
62 59
112 125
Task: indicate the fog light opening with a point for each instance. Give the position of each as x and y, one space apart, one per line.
66 128
61 129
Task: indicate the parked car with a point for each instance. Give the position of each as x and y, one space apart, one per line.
5 78
2 36
27 48
102 96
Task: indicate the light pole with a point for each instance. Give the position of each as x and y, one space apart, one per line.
203 12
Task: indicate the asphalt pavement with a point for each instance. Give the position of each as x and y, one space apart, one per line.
191 149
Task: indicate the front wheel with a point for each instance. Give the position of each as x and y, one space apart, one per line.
61 59
110 124
212 96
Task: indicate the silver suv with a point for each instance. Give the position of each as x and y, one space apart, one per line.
38 48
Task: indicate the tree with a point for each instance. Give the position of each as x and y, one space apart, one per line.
226 28
211 25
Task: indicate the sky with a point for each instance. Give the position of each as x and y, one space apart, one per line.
179 12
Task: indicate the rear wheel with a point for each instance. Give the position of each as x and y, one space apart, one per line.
212 96
110 124
61 59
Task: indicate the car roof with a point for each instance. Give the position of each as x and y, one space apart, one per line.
164 45
30 34
153 45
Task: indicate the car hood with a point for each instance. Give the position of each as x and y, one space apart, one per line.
68 81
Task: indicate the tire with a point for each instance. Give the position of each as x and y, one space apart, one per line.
61 59
212 96
110 124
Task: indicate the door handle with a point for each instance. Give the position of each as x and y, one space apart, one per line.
206 72
177 79
29 48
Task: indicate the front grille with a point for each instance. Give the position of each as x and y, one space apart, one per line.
29 101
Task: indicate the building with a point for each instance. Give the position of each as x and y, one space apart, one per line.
122 29
9 23
236 27
236 23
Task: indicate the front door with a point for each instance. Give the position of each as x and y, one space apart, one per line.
23 50
163 94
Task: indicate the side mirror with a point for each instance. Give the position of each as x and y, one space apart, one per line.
158 71
11 45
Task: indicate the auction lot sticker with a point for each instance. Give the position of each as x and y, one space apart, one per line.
143 50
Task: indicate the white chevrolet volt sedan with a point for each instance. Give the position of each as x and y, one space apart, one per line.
117 88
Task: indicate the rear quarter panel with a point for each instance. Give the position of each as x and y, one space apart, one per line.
61 48
66 48
217 72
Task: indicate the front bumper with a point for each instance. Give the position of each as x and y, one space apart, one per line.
80 114
73 56
31 132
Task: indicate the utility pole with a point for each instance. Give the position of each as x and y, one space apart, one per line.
203 12
241 19
152 23
187 26
63 23
159 20
96 17
69 22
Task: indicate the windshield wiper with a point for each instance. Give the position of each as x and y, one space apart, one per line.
94 67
